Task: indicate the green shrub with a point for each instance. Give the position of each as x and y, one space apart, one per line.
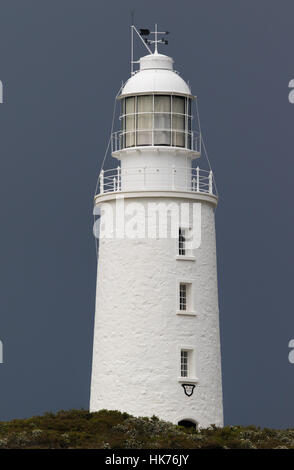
111 429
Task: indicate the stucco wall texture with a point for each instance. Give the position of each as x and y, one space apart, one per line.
138 334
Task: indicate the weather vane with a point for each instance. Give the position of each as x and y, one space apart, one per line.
144 34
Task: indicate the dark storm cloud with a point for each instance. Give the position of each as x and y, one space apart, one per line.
61 64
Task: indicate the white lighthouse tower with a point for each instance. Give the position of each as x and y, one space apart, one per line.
156 340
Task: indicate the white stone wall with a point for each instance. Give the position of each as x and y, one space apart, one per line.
138 334
148 169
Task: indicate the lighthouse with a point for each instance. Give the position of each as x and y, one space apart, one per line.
156 347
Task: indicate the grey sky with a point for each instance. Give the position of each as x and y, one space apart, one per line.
61 64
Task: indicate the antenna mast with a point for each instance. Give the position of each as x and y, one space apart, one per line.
132 41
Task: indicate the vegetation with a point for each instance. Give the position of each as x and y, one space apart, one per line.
115 430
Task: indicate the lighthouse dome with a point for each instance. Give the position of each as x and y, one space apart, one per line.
156 75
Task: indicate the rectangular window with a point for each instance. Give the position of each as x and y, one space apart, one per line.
185 301
182 242
184 363
183 296
187 365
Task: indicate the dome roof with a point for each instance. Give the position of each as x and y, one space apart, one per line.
156 75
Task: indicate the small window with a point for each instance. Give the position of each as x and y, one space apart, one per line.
184 363
182 242
184 248
187 365
183 297
185 304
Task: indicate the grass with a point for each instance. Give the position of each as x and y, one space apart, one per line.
115 430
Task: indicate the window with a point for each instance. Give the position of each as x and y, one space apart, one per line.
183 296
187 365
185 302
156 120
182 242
184 247
184 363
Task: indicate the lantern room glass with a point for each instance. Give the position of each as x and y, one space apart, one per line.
160 120
144 119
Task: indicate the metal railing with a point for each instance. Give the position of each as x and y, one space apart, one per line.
189 140
157 179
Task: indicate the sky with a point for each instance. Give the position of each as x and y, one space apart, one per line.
61 65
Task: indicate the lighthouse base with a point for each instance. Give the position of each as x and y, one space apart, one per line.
140 331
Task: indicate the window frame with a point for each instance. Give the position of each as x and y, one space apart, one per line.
189 301
189 253
191 376
183 296
185 363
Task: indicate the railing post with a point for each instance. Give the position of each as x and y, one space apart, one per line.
114 142
193 184
114 184
173 176
197 180
118 178
102 182
210 182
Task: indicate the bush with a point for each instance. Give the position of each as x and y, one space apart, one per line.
110 429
